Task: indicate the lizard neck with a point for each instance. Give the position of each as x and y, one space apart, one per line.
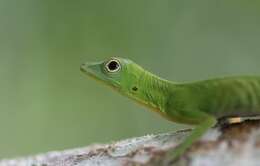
155 91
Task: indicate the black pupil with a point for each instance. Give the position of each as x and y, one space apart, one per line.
113 65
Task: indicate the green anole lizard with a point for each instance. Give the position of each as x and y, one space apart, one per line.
199 103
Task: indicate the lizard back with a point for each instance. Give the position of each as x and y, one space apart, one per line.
228 97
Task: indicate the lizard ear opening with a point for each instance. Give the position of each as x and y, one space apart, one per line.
134 88
113 65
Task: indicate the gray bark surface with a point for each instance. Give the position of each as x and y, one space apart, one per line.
233 145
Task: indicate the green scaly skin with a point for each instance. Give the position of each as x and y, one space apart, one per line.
199 103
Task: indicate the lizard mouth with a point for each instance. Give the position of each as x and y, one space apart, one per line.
95 71
91 70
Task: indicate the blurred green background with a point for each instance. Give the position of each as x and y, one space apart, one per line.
48 104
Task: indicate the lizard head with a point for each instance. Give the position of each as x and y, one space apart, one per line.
121 74
129 79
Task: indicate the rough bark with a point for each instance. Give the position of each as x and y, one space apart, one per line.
236 144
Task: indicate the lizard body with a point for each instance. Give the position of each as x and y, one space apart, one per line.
199 103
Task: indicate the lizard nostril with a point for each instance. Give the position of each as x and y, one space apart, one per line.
82 67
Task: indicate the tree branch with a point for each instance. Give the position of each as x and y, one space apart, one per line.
236 144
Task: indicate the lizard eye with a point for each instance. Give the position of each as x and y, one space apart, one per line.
113 66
